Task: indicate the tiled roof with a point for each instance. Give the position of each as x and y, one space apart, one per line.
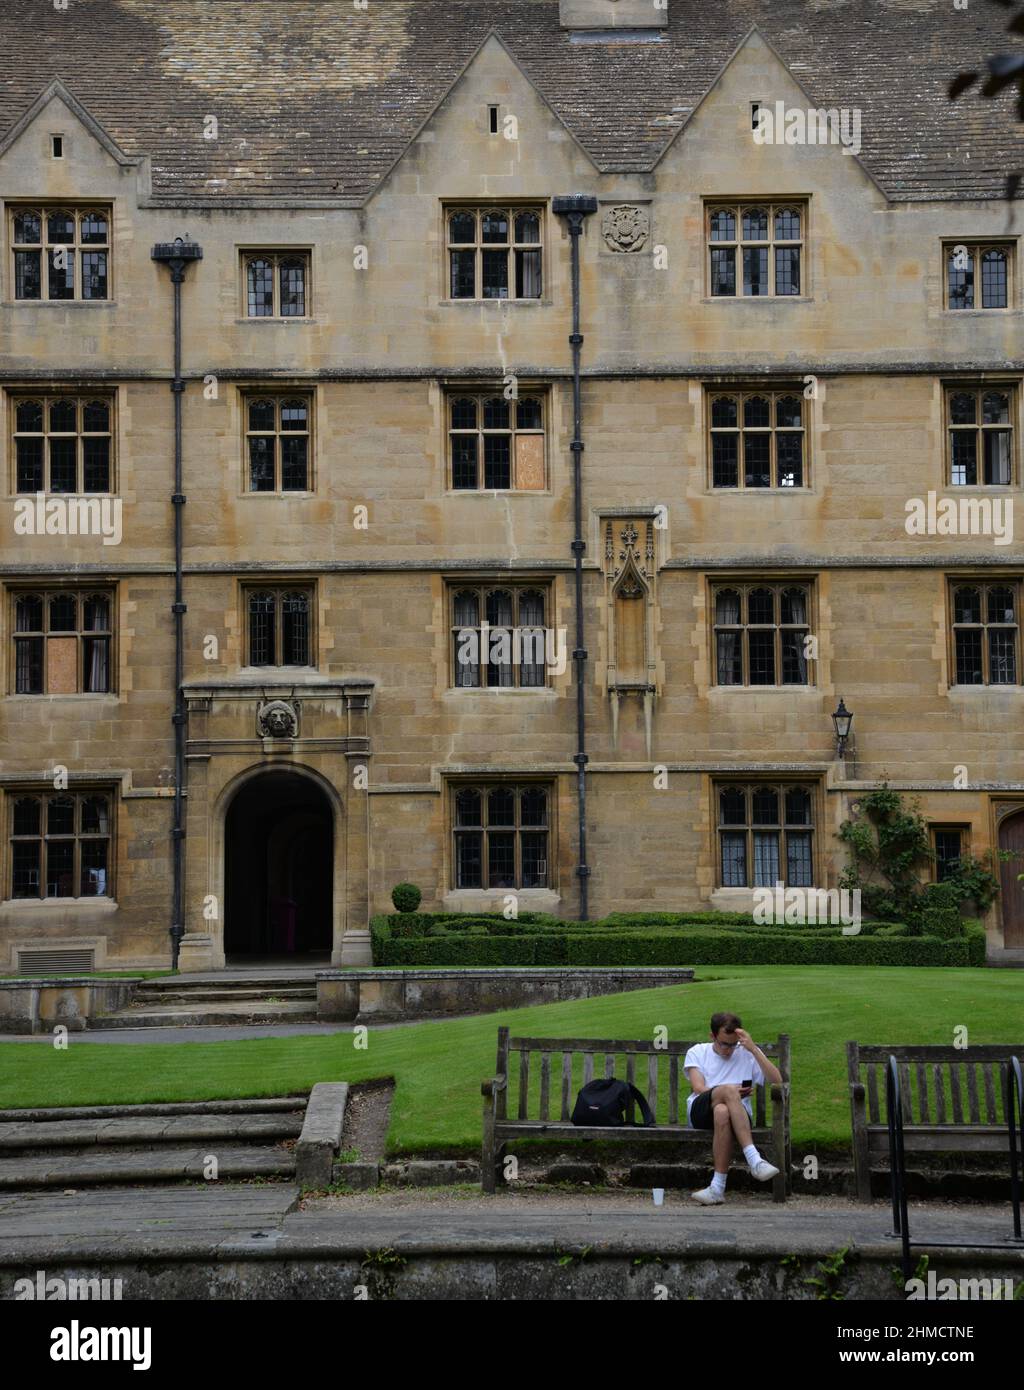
315 99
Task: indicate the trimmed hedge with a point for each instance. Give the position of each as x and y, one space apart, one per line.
692 943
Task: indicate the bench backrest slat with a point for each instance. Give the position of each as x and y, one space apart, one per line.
631 1080
972 1094
990 1093
609 1065
873 1111
954 1095
588 1067
940 1095
567 1096
524 1084
673 1089
652 1082
922 1092
545 1085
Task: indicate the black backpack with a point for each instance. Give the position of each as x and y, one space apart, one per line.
604 1103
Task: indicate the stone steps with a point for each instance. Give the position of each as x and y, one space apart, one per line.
207 993
156 1129
157 1164
104 1145
177 1002
184 1016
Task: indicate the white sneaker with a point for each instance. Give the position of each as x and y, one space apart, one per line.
763 1171
708 1197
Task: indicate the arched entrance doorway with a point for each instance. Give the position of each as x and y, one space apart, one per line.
1011 898
278 869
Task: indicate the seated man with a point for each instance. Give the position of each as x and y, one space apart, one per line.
722 1074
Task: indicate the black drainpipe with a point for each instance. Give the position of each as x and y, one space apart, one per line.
176 256
574 208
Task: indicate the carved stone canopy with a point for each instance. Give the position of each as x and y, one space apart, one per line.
277 719
626 227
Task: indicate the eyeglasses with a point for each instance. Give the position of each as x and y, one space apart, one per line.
725 1044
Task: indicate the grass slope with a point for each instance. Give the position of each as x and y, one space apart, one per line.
438 1067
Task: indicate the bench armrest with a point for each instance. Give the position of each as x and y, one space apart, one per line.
780 1093
857 1090
488 1088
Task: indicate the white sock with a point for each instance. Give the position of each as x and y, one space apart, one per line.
751 1154
718 1181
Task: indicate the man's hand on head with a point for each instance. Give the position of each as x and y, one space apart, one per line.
746 1040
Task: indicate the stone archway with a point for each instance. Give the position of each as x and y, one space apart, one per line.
279 852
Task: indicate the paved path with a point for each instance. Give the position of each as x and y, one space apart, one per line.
211 1221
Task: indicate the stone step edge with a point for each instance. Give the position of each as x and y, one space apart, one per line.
150 1170
25 1145
248 1106
195 1018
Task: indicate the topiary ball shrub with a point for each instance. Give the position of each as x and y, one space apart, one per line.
406 897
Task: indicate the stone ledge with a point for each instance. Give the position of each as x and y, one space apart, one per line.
320 1140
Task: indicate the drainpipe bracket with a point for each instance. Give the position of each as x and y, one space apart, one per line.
576 447
579 547
580 759
576 339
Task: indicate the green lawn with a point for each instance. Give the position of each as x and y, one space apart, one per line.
438 1067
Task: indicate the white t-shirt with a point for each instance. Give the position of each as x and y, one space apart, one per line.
718 1070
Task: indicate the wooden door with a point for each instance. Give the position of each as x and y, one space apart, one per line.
1011 837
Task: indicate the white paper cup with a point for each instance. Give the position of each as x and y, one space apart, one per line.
659 1196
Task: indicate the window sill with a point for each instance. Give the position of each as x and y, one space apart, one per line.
532 690
293 318
59 303
496 303
765 690
276 496
11 905
278 674
494 492
110 695
758 299
759 491
979 313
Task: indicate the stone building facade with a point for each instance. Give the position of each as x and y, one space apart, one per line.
784 345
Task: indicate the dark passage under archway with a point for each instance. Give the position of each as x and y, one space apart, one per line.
278 871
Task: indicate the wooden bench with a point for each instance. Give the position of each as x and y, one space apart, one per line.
519 1101
944 1092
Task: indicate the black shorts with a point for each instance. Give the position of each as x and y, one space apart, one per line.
701 1116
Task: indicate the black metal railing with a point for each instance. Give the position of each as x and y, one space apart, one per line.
894 1104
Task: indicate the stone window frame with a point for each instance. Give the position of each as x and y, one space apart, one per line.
744 584
738 243
81 592
274 392
278 255
485 784
742 392
978 246
980 389
937 828
781 783
44 795
481 393
483 587
279 587
514 207
984 583
78 211
82 396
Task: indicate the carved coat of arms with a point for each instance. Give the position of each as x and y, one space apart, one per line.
625 227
